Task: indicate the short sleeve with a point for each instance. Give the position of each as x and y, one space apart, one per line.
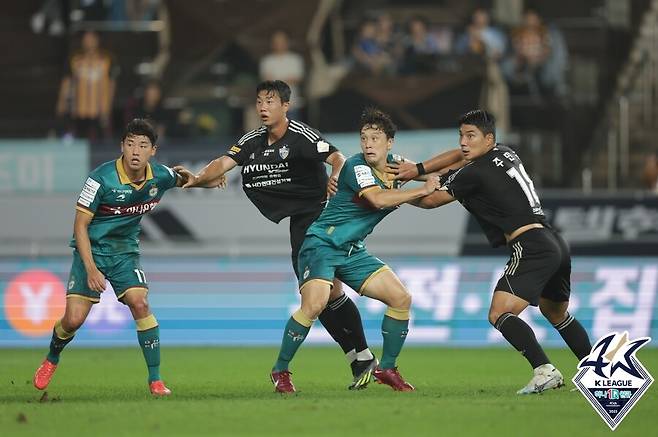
320 148
90 196
360 178
460 183
169 179
240 151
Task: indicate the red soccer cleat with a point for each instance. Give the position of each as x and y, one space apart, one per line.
392 378
159 389
44 374
282 382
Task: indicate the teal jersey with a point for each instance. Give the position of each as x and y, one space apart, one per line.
349 218
117 205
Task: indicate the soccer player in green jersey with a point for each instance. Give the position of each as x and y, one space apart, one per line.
115 197
334 248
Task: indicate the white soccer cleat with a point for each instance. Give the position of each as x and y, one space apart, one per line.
546 377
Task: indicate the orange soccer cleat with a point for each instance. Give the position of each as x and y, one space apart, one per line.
158 388
44 374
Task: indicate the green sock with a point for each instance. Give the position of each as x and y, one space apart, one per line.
56 346
293 337
394 332
149 340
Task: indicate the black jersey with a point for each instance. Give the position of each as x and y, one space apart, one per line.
496 189
287 177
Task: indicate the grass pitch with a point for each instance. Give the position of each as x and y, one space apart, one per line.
226 391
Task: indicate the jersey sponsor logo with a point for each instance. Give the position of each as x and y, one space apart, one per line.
612 378
364 176
268 183
323 146
284 151
34 300
121 198
153 191
251 168
234 150
268 152
88 193
137 209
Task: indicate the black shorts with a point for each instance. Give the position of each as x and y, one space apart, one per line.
539 266
298 226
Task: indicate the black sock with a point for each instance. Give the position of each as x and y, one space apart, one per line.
56 346
574 336
342 320
520 335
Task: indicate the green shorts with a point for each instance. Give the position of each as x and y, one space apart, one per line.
320 261
123 271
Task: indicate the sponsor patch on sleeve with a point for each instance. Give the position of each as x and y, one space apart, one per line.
364 176
234 150
323 146
88 193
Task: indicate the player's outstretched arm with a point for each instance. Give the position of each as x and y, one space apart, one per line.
434 200
211 176
336 161
95 279
409 170
389 198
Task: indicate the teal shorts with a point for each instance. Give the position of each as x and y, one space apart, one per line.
321 261
123 271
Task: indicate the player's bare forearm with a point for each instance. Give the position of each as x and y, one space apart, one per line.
212 175
444 161
336 161
409 170
82 242
434 200
389 198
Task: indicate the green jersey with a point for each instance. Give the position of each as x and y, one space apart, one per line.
117 205
349 218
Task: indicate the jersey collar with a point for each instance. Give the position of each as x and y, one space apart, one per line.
125 180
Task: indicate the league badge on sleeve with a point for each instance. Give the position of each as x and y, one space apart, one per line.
612 378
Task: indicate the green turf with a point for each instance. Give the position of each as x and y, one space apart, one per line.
226 391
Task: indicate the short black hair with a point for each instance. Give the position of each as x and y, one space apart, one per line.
141 126
279 87
372 116
483 120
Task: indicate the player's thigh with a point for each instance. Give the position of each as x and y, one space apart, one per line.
298 226
386 287
558 288
336 290
315 295
76 312
318 261
360 269
77 286
534 259
126 274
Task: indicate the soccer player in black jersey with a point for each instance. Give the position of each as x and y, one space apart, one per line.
283 174
494 187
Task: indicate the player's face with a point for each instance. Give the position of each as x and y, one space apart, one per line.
137 150
375 145
473 142
270 108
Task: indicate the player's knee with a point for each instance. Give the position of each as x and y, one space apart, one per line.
494 315
313 309
72 322
139 305
400 300
553 315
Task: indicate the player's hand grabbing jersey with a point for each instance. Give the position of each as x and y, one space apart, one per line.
287 177
117 205
349 217
496 189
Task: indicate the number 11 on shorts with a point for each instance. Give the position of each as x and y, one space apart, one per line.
141 277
